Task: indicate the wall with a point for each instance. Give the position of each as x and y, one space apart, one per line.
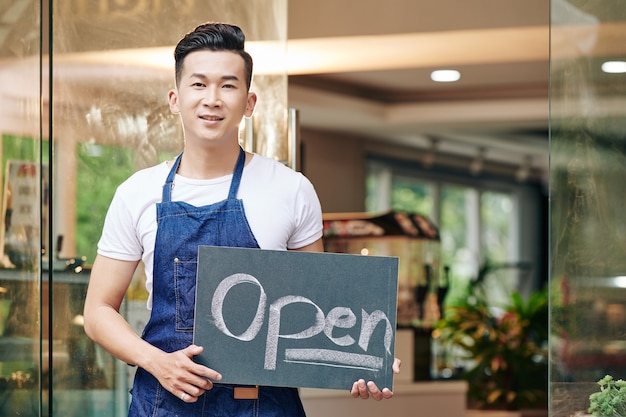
335 165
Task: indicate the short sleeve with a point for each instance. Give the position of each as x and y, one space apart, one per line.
308 216
119 238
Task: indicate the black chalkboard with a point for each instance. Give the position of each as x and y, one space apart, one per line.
297 319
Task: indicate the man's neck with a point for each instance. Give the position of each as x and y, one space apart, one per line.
209 162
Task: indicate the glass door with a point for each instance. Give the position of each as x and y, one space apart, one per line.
587 188
84 105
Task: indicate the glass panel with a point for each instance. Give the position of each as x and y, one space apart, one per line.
23 298
587 188
378 187
504 273
456 243
112 67
475 228
413 196
496 210
91 202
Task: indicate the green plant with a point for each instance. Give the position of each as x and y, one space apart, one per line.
610 401
504 349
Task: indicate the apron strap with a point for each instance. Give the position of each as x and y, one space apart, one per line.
234 184
169 182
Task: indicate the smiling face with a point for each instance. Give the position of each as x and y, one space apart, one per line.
212 97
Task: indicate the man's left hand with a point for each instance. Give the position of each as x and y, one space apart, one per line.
361 389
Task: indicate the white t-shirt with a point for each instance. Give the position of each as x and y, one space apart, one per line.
281 206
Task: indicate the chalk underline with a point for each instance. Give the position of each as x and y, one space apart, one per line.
334 358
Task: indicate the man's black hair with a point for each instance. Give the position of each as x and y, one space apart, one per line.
214 37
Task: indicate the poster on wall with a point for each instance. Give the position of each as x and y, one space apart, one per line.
295 319
24 207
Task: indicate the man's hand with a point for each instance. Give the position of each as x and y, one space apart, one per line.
176 371
361 389
181 376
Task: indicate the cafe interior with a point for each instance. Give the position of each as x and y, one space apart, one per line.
482 144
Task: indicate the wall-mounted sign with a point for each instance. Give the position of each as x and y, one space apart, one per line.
25 214
298 319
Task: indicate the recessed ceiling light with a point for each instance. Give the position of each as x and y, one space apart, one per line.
445 76
614 67
620 282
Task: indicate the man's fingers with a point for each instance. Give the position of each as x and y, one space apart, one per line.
374 391
396 365
361 389
387 393
201 370
192 350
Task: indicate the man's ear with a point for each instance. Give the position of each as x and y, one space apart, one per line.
250 104
172 98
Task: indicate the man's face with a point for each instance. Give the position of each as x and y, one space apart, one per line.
212 96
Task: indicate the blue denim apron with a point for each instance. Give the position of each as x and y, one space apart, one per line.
181 227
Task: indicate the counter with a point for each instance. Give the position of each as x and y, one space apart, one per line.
431 398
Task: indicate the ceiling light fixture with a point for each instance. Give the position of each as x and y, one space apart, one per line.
445 76
428 159
620 282
476 166
523 172
614 67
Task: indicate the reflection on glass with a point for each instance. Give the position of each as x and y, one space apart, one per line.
22 365
110 118
588 232
91 202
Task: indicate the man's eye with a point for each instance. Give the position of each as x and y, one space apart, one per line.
228 86
199 85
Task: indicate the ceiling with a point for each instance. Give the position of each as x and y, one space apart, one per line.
362 67
375 63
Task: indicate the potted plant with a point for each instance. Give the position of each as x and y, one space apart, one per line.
610 401
504 350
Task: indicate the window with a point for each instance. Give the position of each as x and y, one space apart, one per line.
477 219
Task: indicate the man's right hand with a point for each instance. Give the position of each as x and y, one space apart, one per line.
180 375
176 371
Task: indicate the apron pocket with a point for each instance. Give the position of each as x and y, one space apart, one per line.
185 292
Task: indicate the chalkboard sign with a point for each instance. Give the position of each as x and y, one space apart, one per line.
297 319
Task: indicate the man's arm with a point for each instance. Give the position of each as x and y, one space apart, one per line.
317 246
108 282
176 371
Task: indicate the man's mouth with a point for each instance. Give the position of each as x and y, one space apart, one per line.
211 118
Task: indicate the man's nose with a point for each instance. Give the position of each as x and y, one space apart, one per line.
212 98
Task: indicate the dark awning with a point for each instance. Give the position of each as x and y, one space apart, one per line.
392 223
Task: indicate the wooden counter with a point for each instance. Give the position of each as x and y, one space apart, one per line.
436 398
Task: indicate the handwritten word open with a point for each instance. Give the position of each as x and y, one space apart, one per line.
338 317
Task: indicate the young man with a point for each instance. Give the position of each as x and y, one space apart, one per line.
161 214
